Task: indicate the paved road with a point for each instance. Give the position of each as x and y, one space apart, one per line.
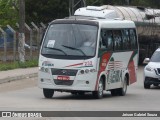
25 95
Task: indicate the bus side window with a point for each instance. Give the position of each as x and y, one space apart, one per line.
126 39
107 39
110 40
133 38
118 44
103 37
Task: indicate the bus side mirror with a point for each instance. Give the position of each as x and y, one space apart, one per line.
146 61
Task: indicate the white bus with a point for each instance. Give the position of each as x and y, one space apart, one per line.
88 55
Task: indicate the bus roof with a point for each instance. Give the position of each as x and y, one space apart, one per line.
103 23
116 24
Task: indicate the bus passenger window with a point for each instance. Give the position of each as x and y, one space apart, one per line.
103 39
107 39
126 40
117 40
133 38
110 40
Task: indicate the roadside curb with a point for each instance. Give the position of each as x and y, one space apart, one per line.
21 77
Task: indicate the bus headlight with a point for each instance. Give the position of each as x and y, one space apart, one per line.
92 70
46 70
86 71
81 72
43 69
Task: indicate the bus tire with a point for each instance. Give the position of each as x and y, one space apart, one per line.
114 92
99 94
48 93
122 91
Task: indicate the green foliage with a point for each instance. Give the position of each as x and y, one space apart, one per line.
10 66
46 10
8 13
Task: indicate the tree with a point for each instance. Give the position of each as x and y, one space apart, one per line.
8 13
46 10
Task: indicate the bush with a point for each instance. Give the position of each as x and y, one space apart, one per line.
15 65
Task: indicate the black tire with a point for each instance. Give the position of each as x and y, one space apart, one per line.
99 94
122 91
114 92
147 86
48 93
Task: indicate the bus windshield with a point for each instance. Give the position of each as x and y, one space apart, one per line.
70 40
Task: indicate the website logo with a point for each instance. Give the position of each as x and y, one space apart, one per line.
6 114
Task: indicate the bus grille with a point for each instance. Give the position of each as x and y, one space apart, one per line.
63 82
67 72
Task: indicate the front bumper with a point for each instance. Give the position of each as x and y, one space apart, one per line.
85 82
150 80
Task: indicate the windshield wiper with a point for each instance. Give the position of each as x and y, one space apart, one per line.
57 50
72 48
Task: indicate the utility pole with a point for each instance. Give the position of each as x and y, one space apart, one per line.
71 7
21 44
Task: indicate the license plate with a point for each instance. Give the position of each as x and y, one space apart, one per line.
63 78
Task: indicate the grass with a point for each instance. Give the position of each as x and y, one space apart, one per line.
15 65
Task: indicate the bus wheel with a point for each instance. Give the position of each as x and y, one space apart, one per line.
99 94
122 91
48 93
114 92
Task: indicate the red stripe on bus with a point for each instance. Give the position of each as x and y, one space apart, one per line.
132 72
75 65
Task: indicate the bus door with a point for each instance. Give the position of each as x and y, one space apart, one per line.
106 48
117 58
112 40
